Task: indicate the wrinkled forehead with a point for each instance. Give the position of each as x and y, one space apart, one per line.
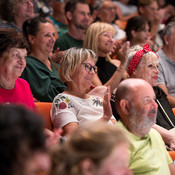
149 58
19 51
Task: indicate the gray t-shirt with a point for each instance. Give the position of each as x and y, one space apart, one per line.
167 72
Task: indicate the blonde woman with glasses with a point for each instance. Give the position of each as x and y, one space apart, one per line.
75 106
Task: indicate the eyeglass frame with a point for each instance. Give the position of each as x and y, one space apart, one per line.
89 69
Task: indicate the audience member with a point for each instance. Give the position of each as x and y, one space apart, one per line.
147 68
78 16
150 10
75 106
167 62
138 31
99 38
135 102
169 7
162 3
125 10
15 12
40 72
22 148
97 149
13 55
14 90
107 13
58 18
42 8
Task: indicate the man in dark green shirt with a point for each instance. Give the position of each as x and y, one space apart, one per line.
78 16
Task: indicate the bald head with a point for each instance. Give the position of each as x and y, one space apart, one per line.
128 88
135 103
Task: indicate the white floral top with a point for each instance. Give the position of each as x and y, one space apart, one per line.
67 108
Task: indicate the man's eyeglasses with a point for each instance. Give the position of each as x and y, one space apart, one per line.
89 67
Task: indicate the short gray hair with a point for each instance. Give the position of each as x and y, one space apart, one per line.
168 30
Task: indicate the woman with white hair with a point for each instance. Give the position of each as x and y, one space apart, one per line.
143 63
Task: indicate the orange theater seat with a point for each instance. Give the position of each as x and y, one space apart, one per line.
43 109
173 109
172 154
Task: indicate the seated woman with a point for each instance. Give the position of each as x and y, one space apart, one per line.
143 63
40 72
14 90
14 12
75 106
138 31
13 55
97 149
99 38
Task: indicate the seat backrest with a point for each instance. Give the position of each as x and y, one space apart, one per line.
172 154
43 109
173 109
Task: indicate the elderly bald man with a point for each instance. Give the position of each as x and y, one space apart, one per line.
135 103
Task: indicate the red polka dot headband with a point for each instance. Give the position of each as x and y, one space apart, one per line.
137 57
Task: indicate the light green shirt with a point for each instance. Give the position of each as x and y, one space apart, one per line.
148 155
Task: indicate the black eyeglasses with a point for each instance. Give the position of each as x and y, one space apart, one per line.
89 67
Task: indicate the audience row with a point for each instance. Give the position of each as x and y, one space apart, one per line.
77 58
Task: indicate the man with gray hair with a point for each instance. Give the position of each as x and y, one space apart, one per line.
166 79
135 103
106 12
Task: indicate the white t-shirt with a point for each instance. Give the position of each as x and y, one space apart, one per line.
67 108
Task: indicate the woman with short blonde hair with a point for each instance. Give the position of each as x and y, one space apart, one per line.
75 106
71 59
